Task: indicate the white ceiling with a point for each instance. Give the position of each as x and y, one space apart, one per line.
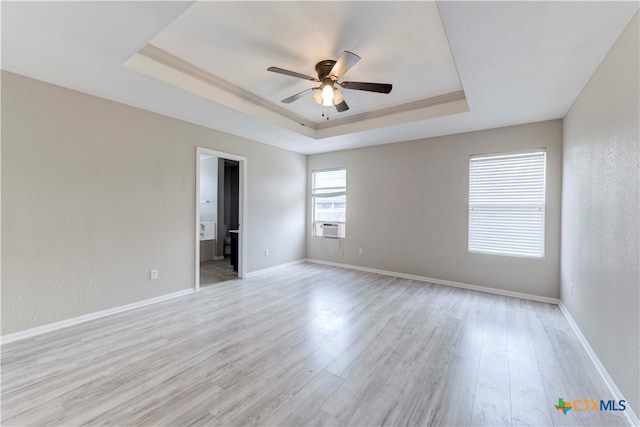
517 62
210 52
403 43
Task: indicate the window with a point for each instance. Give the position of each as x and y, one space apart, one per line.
506 204
329 202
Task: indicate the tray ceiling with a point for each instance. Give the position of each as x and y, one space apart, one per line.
477 64
402 43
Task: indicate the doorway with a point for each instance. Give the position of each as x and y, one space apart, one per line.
220 217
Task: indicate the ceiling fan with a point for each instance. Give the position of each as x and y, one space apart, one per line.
329 72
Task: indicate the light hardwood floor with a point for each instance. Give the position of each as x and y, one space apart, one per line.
308 345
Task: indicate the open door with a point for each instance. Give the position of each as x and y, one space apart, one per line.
221 235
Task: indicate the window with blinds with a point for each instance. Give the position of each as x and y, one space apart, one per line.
329 202
506 204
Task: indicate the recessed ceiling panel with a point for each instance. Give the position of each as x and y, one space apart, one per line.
402 43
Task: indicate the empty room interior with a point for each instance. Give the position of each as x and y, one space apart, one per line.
349 213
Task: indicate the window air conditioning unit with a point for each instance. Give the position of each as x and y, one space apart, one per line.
330 230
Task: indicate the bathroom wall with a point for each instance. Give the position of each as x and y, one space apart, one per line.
222 228
208 206
232 177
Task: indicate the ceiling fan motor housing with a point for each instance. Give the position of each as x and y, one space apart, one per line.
323 68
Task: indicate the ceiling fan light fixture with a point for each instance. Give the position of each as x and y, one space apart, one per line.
317 96
327 95
329 73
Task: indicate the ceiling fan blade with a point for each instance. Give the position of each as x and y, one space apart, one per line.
298 95
370 87
291 73
344 63
342 107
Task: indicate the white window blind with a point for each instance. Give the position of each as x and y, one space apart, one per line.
506 204
329 200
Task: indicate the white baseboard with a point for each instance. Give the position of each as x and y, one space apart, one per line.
274 268
617 395
442 282
218 258
16 336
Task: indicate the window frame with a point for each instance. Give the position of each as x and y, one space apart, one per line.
541 206
342 224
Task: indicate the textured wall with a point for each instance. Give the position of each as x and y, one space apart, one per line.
95 194
407 207
601 212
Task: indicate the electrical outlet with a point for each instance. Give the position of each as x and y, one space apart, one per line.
571 288
154 274
360 251
266 252
459 263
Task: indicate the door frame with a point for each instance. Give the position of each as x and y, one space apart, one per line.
242 211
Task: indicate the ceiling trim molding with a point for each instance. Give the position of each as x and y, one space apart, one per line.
318 130
163 57
396 109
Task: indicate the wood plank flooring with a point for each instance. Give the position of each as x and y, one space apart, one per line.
308 345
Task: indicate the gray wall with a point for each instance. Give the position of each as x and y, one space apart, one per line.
407 207
601 211
95 194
